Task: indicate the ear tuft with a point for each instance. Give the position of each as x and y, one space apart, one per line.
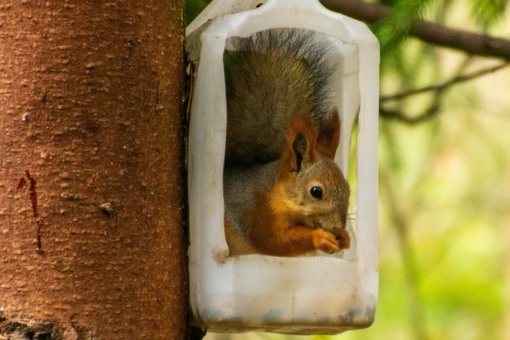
329 134
300 147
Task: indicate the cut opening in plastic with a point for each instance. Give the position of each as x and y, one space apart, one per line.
291 60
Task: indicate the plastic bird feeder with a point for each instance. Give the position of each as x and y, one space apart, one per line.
315 294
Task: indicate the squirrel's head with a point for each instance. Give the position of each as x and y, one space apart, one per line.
313 187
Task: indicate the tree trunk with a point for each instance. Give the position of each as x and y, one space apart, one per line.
92 178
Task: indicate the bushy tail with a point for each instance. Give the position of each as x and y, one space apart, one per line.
272 77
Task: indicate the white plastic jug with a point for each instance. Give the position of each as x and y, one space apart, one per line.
317 294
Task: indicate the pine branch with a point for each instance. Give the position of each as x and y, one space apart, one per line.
468 42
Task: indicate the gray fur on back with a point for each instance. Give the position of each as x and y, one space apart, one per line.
271 77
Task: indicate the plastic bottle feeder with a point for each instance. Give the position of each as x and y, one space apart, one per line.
314 294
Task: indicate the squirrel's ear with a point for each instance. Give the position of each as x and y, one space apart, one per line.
301 140
300 147
329 134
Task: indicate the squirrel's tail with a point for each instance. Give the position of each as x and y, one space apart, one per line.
272 77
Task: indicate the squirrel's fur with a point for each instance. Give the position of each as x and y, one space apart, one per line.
272 77
284 194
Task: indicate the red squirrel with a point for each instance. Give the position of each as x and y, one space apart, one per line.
284 194
291 206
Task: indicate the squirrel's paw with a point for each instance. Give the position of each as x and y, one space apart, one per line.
325 241
344 239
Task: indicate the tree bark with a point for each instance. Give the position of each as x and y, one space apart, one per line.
92 183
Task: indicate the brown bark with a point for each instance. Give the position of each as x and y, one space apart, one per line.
92 183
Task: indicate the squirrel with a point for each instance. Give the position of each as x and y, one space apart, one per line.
284 194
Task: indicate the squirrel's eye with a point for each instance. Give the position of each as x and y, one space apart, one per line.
316 192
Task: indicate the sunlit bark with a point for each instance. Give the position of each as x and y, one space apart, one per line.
92 238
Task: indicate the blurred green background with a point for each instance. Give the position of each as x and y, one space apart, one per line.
444 181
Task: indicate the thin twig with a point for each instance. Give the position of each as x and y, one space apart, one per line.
400 221
442 86
435 108
410 120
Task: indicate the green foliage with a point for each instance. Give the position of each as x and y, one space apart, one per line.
193 8
393 29
488 12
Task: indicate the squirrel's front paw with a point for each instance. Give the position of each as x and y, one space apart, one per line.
325 241
344 239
